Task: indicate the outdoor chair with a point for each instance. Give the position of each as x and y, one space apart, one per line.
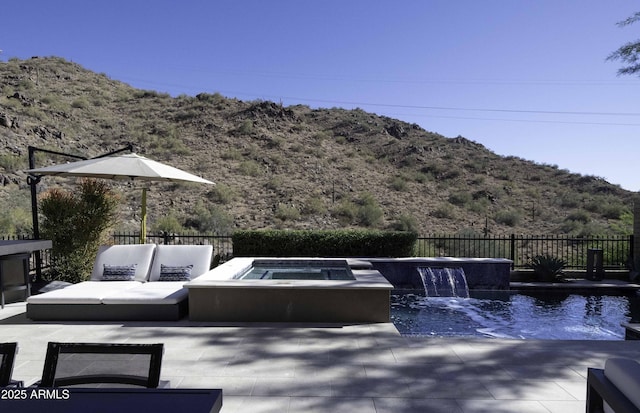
72 364
7 357
614 388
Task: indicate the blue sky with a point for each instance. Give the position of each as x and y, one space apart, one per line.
527 78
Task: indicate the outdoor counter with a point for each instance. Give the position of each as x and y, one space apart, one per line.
14 265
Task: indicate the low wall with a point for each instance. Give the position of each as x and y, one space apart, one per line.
218 296
481 273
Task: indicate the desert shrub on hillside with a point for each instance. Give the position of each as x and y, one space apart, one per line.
232 155
510 218
479 206
613 211
460 198
287 212
405 222
222 194
398 183
443 211
314 206
345 212
11 163
245 128
570 200
80 103
369 211
210 220
250 168
15 214
168 223
580 216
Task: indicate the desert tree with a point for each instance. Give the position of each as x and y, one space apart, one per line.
629 53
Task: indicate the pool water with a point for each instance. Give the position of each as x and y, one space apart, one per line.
298 270
515 316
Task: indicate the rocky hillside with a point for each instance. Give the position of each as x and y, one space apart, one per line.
284 167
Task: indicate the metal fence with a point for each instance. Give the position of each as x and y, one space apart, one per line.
222 244
519 248
616 250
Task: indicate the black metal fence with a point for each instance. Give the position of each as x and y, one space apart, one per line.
616 250
222 244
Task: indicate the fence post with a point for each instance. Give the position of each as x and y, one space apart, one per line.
513 251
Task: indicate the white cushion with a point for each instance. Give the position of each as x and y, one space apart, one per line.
161 292
87 292
625 375
139 254
182 255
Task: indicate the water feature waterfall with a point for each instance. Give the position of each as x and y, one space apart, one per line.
444 282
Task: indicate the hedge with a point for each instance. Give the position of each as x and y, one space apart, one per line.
324 243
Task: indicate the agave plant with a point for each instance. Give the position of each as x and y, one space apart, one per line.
547 268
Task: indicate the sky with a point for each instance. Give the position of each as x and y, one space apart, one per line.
525 78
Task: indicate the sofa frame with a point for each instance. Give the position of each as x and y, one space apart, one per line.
133 302
600 389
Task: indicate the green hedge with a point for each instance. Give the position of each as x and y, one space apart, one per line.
338 243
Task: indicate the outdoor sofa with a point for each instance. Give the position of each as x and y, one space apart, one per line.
616 388
128 282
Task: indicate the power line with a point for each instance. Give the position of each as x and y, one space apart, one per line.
516 120
545 112
425 107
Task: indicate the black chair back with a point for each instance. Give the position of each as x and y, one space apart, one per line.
7 358
72 364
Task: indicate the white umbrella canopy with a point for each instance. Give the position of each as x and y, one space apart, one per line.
122 167
129 166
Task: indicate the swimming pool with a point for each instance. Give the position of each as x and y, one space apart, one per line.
547 316
298 270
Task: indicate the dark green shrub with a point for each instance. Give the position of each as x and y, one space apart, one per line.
547 268
339 243
77 223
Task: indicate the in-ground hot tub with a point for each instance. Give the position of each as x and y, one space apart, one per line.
295 289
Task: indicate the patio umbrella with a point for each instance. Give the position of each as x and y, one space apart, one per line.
131 167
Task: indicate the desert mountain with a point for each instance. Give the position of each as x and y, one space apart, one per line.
284 166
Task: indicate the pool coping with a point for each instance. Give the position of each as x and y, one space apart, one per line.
222 276
218 296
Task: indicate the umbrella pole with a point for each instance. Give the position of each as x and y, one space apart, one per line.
143 222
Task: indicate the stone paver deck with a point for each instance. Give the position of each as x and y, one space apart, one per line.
340 368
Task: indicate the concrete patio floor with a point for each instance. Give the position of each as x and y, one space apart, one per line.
340 368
